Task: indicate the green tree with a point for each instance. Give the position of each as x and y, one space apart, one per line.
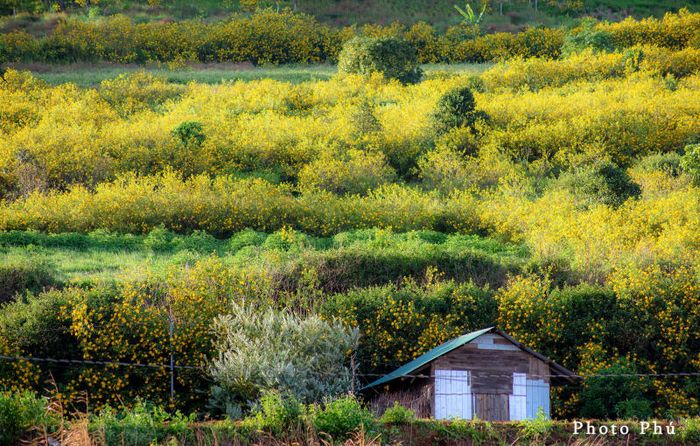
395 58
456 108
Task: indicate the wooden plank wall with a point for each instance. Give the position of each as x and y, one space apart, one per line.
492 362
492 371
492 407
419 397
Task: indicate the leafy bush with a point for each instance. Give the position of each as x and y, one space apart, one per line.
604 183
198 241
190 134
265 350
398 414
20 277
247 237
269 36
33 326
342 417
444 170
538 429
21 412
690 162
277 414
667 163
588 36
395 58
134 92
616 396
286 240
364 120
159 239
456 108
674 31
690 430
140 425
398 324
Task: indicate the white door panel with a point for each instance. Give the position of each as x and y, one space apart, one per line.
453 395
517 402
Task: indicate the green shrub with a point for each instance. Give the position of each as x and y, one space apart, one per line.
277 414
190 134
246 237
364 120
393 57
398 414
21 412
667 163
602 183
142 425
198 241
159 240
24 276
538 429
342 417
690 430
262 350
444 170
588 36
456 108
615 396
287 240
134 92
32 326
399 323
690 163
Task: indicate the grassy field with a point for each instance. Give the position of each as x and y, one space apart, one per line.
98 258
90 75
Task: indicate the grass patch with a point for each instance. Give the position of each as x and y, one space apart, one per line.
349 259
90 75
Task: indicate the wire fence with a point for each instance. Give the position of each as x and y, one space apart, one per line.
87 362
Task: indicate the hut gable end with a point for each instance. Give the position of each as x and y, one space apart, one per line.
492 362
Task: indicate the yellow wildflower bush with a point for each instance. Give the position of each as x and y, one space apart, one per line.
671 31
84 136
358 174
268 36
134 327
398 324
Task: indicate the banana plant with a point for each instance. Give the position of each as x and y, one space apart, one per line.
469 15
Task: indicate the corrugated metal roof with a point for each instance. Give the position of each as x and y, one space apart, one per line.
425 358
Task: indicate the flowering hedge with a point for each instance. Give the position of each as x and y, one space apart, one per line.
283 37
646 315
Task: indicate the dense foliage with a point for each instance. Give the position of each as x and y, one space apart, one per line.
394 58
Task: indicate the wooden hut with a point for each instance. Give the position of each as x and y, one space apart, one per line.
485 374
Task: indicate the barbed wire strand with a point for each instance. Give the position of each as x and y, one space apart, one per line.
81 362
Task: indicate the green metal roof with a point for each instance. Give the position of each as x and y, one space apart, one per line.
428 357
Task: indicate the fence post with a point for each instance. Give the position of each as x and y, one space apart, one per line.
353 369
172 355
